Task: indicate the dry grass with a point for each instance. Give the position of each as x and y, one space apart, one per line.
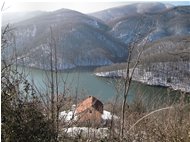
166 123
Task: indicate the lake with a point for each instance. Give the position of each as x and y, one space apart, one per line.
85 83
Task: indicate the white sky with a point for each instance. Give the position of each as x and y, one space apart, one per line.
50 6
84 6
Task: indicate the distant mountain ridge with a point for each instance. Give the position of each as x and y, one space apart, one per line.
15 17
112 14
174 21
85 40
80 40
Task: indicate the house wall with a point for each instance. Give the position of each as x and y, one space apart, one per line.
90 116
89 112
98 106
84 105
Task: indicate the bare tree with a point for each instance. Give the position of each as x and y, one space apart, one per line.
133 50
20 105
127 83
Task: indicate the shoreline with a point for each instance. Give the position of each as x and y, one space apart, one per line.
144 80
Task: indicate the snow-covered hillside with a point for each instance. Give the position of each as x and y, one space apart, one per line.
77 39
73 39
170 74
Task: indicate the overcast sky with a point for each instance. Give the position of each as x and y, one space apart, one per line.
81 5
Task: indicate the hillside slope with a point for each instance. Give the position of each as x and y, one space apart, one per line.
79 40
84 40
113 14
153 26
165 62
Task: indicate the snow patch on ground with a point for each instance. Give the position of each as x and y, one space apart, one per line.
71 115
117 73
68 115
87 131
108 116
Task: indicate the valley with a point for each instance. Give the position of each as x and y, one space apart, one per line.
118 74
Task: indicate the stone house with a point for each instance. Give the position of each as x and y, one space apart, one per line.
89 111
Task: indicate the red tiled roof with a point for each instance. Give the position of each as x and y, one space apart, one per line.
90 102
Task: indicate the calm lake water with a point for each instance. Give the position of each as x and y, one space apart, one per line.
86 83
